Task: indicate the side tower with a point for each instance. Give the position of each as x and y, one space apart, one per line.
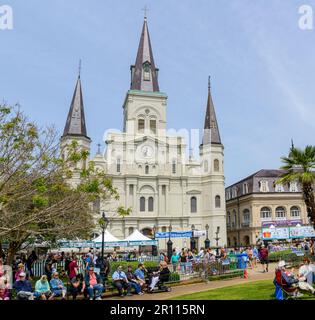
212 160
75 128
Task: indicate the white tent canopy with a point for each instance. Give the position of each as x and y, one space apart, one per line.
137 236
108 237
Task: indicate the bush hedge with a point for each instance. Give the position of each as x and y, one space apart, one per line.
230 275
134 264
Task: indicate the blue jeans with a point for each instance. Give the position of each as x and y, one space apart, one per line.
183 267
98 291
136 286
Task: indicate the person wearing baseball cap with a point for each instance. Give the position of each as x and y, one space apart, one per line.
23 287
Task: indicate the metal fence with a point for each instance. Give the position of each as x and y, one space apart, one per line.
39 266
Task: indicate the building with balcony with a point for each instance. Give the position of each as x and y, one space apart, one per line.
257 201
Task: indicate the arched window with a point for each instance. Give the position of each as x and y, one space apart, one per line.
146 169
295 212
142 204
193 204
130 230
140 125
151 204
174 166
216 165
265 213
118 165
217 201
280 213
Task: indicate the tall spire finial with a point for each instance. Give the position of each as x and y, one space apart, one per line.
292 144
145 9
80 66
99 148
209 83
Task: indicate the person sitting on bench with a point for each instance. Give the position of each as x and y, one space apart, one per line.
160 276
121 282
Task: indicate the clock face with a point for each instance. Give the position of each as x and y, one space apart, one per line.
147 151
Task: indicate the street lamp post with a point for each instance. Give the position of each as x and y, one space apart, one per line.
103 224
169 244
192 239
154 247
207 241
217 240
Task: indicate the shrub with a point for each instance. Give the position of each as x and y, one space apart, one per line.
134 264
174 277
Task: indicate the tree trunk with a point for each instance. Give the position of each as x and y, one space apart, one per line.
13 249
309 199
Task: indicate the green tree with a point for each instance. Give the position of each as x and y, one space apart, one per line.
299 166
39 199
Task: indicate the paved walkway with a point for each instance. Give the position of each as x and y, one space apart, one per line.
254 275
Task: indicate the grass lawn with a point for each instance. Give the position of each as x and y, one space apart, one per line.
258 290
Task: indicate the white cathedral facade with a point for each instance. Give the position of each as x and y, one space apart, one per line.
149 167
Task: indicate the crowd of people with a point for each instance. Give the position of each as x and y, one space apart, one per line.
89 274
91 282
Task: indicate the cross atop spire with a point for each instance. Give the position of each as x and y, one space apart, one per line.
75 125
145 9
79 68
144 74
211 129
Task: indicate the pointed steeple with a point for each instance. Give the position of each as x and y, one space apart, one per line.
75 125
144 74
211 129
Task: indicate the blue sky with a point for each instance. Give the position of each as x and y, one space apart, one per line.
262 67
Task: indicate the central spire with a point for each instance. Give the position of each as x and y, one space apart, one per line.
211 129
144 74
75 124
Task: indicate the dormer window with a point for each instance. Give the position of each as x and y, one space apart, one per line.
146 71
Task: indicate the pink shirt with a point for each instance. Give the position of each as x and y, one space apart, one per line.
93 280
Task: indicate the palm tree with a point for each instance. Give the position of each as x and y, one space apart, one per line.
300 166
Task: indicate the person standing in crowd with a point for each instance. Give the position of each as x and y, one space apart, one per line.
30 262
264 257
183 261
57 286
134 283
206 264
121 282
89 261
93 284
101 264
190 261
67 259
174 260
48 266
255 256
23 288
42 289
73 268
250 255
